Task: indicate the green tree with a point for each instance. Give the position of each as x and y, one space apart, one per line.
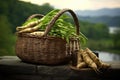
6 37
94 31
116 40
101 31
20 11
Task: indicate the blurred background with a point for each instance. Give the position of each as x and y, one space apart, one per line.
99 21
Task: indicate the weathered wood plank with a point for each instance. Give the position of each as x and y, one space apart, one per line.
12 68
13 65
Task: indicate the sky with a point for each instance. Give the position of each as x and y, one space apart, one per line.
79 4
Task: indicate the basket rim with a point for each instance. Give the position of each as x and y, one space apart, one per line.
28 35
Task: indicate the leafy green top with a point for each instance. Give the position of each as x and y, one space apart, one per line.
61 28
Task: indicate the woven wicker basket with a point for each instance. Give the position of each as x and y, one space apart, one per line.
45 49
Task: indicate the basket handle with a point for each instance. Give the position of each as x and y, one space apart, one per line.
52 22
35 15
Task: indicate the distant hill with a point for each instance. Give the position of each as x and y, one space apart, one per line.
109 21
110 17
100 12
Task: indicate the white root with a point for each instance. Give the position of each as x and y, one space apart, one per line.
70 46
29 25
74 45
77 43
93 57
81 65
90 62
38 33
79 57
28 30
105 65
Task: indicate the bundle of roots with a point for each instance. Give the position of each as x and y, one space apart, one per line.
86 58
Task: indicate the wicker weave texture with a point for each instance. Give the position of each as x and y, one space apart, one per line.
49 50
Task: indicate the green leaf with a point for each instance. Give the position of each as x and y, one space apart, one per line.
62 28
